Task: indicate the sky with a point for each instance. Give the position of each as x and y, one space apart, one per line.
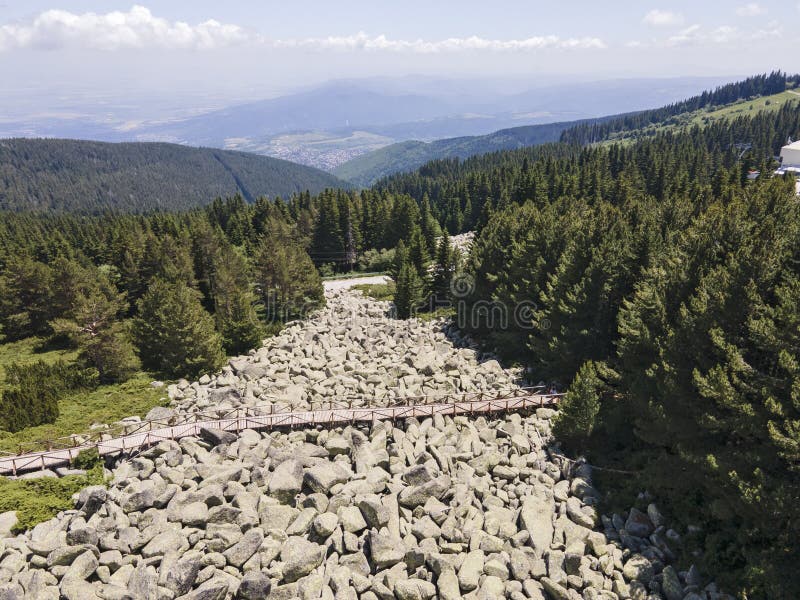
239 48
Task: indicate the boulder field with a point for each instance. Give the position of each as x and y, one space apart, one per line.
437 508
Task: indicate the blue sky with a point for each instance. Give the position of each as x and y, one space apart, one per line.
278 44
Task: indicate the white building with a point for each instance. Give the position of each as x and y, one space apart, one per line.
790 162
790 155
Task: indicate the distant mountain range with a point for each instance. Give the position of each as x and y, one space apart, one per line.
82 176
330 124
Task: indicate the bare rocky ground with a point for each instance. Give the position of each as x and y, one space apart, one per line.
350 350
438 508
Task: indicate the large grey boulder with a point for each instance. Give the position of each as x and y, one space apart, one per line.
385 550
183 573
286 481
300 557
240 553
8 520
471 570
417 495
414 589
321 478
536 516
255 585
217 437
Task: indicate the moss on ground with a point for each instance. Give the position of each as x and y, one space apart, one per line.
37 500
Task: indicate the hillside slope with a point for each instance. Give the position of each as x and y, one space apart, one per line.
407 156
762 92
84 176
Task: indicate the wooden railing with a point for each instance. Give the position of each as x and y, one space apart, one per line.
134 436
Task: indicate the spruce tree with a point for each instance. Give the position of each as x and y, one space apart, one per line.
408 291
400 258
173 332
418 252
430 227
578 409
288 282
328 244
234 303
444 269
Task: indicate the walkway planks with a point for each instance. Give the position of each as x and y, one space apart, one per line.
149 433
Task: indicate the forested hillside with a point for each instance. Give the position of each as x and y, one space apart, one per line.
406 156
660 286
760 85
83 176
463 193
653 280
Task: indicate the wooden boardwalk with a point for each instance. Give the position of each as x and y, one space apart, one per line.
148 433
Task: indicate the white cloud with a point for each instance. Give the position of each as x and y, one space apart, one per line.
725 34
663 18
753 9
362 41
137 28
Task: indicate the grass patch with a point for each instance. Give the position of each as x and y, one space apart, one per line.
377 291
353 275
28 351
78 411
440 313
708 115
37 500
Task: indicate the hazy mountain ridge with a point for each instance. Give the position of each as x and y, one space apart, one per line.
329 124
85 176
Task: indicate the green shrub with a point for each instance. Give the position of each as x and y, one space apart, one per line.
87 459
376 260
32 392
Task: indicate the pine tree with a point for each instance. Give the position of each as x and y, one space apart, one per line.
444 269
234 303
289 283
578 410
25 298
408 291
103 341
173 332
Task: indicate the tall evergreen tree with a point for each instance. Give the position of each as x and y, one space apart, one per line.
93 324
409 290
234 303
289 283
444 269
174 334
